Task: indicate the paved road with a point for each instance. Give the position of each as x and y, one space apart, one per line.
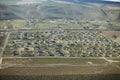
54 57
6 41
111 61
1 62
2 51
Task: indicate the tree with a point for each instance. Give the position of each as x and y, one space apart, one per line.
114 36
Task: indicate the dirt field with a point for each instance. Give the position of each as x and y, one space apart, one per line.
57 66
101 72
110 34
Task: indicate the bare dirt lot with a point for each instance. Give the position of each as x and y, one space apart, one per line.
110 34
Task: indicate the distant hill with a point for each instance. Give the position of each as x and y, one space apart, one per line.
53 10
9 1
6 13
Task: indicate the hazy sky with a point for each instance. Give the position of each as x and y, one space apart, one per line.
113 0
46 0
35 1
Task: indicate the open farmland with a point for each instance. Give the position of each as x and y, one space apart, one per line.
104 72
79 68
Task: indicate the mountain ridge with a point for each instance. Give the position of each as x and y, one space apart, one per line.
53 10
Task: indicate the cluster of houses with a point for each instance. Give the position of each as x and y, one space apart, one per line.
67 43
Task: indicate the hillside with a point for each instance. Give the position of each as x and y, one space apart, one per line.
53 10
6 13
